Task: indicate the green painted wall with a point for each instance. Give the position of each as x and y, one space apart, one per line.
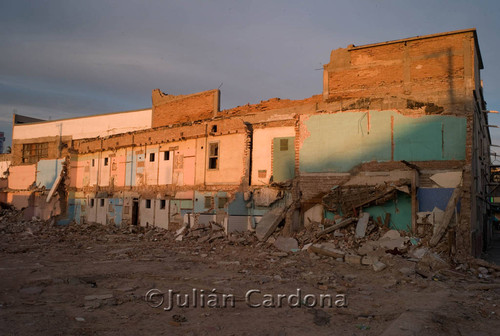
338 142
400 210
283 159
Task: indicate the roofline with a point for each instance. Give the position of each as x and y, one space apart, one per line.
81 117
469 30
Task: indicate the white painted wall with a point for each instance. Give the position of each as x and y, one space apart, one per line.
262 153
161 215
165 168
151 167
104 170
102 210
91 211
86 127
146 215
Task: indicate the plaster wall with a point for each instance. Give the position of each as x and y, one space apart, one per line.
262 151
21 177
86 127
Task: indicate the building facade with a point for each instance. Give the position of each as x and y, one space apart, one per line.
403 122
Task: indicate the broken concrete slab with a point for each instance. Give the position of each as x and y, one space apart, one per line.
286 244
378 266
418 252
306 246
391 240
313 215
336 226
327 251
269 222
430 264
391 234
368 260
447 179
367 247
362 223
352 259
266 196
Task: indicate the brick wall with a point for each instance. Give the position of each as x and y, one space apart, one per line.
170 109
435 72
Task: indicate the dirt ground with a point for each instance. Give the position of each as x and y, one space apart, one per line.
92 280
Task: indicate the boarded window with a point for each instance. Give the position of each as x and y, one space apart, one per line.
213 155
262 173
166 156
151 157
208 202
126 210
32 153
222 202
283 145
148 204
163 204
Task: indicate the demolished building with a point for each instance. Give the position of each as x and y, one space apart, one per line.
400 131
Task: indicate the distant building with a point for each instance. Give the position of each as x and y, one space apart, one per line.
399 131
2 140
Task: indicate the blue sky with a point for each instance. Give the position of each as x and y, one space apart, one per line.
61 59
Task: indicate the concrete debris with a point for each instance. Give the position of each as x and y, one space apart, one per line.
326 251
286 244
430 264
391 240
482 270
418 253
367 248
352 259
368 260
264 197
347 198
448 179
269 222
378 266
362 223
336 226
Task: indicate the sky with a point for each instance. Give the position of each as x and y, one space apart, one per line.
62 59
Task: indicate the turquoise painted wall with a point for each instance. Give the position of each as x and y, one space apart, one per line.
338 142
400 210
47 172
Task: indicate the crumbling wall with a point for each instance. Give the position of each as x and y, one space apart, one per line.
170 109
435 72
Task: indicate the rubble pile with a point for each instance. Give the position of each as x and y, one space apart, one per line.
211 232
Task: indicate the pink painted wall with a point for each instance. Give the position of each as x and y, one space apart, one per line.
21 177
118 168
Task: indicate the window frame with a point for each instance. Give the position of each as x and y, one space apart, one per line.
213 156
34 152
